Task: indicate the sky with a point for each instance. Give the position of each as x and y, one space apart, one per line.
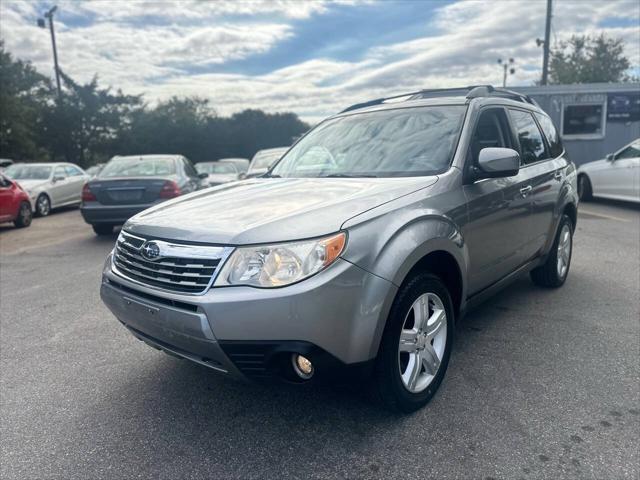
314 57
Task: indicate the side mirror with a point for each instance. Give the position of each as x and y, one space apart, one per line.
610 157
58 178
203 175
497 162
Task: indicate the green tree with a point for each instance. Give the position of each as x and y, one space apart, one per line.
89 121
24 96
589 59
173 126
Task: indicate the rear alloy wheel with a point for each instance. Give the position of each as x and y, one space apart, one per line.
555 270
43 205
585 192
416 344
101 229
25 215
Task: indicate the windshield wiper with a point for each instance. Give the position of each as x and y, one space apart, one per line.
346 175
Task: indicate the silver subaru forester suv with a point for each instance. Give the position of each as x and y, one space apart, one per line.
359 250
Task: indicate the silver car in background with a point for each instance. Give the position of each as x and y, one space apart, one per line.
49 185
218 172
263 160
242 164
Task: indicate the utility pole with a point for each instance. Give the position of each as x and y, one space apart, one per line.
507 67
41 24
545 55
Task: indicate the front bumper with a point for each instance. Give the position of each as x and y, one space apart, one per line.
335 318
95 213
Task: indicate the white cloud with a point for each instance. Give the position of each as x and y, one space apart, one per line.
459 47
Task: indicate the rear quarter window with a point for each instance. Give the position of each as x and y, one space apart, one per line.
550 131
532 148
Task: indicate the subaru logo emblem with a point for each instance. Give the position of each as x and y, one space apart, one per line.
150 250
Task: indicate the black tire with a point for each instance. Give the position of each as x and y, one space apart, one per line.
548 275
43 205
102 229
387 383
25 215
585 191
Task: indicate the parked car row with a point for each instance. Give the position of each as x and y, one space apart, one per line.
49 185
110 193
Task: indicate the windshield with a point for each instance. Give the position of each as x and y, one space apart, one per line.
210 168
28 172
138 167
265 159
391 143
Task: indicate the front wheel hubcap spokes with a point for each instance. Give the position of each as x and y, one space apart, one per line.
422 345
564 251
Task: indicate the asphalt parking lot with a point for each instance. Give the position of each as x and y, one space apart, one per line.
542 384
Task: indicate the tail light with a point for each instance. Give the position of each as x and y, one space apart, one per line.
170 189
87 194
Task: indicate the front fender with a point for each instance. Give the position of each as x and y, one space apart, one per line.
389 246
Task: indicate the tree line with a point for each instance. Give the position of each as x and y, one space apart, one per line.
90 123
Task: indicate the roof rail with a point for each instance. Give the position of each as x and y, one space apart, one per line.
470 92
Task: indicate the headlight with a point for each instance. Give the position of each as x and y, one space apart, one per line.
269 266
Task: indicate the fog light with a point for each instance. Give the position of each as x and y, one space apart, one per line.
302 366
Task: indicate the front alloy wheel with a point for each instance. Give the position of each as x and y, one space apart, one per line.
416 344
564 250
422 342
43 205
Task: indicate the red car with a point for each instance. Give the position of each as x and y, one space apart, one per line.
14 203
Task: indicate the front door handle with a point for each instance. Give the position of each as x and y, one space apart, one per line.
524 191
558 175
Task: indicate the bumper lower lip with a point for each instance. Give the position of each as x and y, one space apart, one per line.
335 317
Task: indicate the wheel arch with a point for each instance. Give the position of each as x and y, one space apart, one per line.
443 264
572 212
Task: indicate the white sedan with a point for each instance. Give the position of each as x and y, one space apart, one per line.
49 185
616 177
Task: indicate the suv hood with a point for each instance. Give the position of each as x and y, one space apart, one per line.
269 210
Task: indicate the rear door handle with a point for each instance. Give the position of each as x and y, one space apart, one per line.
524 191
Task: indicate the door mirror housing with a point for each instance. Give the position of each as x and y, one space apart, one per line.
494 162
610 158
203 175
58 178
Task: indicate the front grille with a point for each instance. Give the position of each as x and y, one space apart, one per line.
173 267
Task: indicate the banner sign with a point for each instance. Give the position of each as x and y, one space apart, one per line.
623 107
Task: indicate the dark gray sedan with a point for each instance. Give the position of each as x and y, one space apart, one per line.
128 185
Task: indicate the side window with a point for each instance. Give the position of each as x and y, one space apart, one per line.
491 130
553 139
531 143
632 151
72 171
189 169
60 172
